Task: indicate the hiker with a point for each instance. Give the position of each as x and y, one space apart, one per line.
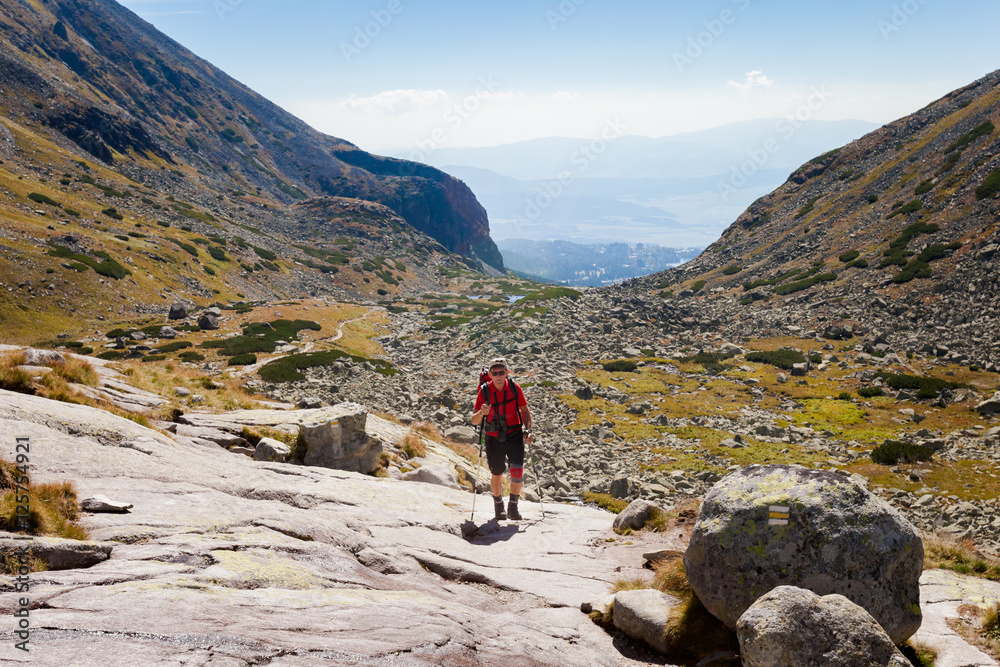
502 403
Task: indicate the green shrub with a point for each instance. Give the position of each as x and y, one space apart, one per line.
242 360
983 129
71 211
191 357
844 396
113 213
807 209
870 392
990 186
924 187
42 199
217 253
872 198
264 253
849 256
174 347
620 366
186 247
800 285
784 359
209 270
699 286
154 357
732 269
287 368
107 267
906 209
927 386
891 452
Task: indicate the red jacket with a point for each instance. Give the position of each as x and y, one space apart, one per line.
506 399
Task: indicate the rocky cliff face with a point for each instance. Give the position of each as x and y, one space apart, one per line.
98 76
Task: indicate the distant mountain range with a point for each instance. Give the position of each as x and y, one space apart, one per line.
680 190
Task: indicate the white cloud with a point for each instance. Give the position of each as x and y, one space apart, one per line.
396 101
755 79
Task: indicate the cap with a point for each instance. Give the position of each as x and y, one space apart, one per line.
499 361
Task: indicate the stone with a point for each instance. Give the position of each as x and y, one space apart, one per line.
138 335
465 434
766 526
635 515
800 370
168 332
33 357
182 391
643 614
790 627
434 473
214 311
58 553
623 487
269 449
584 393
178 311
100 503
208 322
339 440
990 407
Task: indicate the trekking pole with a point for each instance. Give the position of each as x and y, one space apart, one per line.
538 484
475 482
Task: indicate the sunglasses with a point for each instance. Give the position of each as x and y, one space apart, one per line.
497 373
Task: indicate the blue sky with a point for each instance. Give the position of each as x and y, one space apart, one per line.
393 74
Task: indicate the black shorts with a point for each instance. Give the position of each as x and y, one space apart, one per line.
499 453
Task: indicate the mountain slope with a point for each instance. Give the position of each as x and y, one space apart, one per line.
96 75
900 225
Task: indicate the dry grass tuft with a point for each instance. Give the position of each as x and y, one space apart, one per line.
631 584
428 430
961 556
52 510
413 446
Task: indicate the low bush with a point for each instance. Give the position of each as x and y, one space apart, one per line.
800 285
849 256
217 253
174 347
926 387
807 209
732 269
870 392
42 199
698 286
990 186
924 187
242 360
784 359
113 213
191 357
264 253
620 366
891 452
906 209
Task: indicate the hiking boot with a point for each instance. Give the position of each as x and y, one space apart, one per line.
498 511
512 512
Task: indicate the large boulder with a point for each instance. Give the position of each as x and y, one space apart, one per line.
635 515
643 614
57 553
791 627
990 406
269 449
178 311
767 526
339 440
33 357
434 473
208 322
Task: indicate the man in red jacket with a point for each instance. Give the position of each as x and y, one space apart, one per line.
502 403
